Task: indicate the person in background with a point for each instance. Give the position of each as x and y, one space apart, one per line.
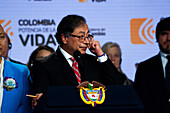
152 80
7 48
114 53
14 83
40 52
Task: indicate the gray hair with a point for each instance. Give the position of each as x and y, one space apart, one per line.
108 45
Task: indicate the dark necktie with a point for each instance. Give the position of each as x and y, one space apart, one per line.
167 68
76 70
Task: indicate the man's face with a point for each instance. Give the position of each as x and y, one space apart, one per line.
3 42
164 41
73 43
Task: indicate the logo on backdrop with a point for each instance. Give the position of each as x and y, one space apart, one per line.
98 31
37 31
92 1
40 0
142 31
83 0
6 25
7 28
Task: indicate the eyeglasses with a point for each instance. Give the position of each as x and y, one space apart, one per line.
82 38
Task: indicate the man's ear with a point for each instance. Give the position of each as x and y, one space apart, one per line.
64 38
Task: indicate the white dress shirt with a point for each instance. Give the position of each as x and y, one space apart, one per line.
67 56
1 81
164 61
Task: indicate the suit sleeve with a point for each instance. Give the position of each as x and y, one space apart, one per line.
110 74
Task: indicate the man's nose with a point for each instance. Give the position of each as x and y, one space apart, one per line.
86 41
112 58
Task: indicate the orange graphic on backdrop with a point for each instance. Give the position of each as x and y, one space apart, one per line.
6 27
135 25
83 0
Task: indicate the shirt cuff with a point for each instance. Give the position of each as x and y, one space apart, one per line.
103 58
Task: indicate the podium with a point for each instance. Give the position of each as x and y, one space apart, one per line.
66 99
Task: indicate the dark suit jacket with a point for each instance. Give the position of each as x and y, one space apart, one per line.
55 70
150 85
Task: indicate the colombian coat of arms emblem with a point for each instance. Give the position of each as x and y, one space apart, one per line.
92 96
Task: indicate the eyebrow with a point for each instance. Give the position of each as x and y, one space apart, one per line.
83 32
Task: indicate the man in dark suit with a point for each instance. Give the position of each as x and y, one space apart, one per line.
151 77
73 37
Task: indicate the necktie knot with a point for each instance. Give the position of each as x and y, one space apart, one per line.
73 60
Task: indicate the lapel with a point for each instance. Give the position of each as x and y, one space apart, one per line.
7 97
6 72
159 65
158 72
64 67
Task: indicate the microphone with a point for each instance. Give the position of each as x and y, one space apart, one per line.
77 55
79 58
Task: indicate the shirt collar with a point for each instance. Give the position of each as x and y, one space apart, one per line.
66 55
8 59
163 54
2 63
